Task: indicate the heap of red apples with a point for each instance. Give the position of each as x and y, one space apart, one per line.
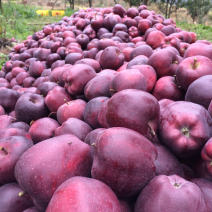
108 110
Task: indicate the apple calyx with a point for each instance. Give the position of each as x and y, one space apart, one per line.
70 142
4 150
176 185
175 62
21 193
211 163
66 101
185 131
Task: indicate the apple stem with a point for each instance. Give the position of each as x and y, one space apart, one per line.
3 149
31 123
21 193
151 131
51 114
211 163
31 100
112 90
94 145
66 101
195 65
70 142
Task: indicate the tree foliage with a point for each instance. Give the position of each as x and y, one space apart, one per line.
198 8
1 6
169 6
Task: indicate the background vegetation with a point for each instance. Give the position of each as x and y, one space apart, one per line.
18 18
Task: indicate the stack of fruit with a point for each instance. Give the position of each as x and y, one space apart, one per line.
107 110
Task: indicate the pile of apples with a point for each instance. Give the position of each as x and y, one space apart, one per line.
107 110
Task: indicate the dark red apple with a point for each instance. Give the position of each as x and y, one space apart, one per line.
118 152
184 128
101 197
14 198
171 193
11 149
191 69
52 162
71 109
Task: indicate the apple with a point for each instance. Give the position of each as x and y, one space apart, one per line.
74 126
192 68
142 118
14 198
52 162
198 91
30 107
43 129
91 111
111 58
180 192
187 133
118 152
168 88
11 149
101 196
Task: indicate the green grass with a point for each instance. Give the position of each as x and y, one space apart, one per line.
23 20
203 32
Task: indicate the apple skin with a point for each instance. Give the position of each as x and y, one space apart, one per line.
45 87
30 107
198 91
43 129
10 199
2 111
163 103
73 57
98 86
10 131
199 49
149 74
8 99
11 150
192 68
52 162
154 39
206 155
141 50
167 88
165 62
184 128
118 9
180 192
128 79
32 209
74 126
71 109
101 197
57 97
76 77
139 60
170 41
91 62
141 117
118 152
166 162
111 58
183 47
91 111
205 186
144 25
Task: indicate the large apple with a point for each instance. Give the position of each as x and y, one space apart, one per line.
133 109
124 160
46 165
184 128
170 193
100 198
